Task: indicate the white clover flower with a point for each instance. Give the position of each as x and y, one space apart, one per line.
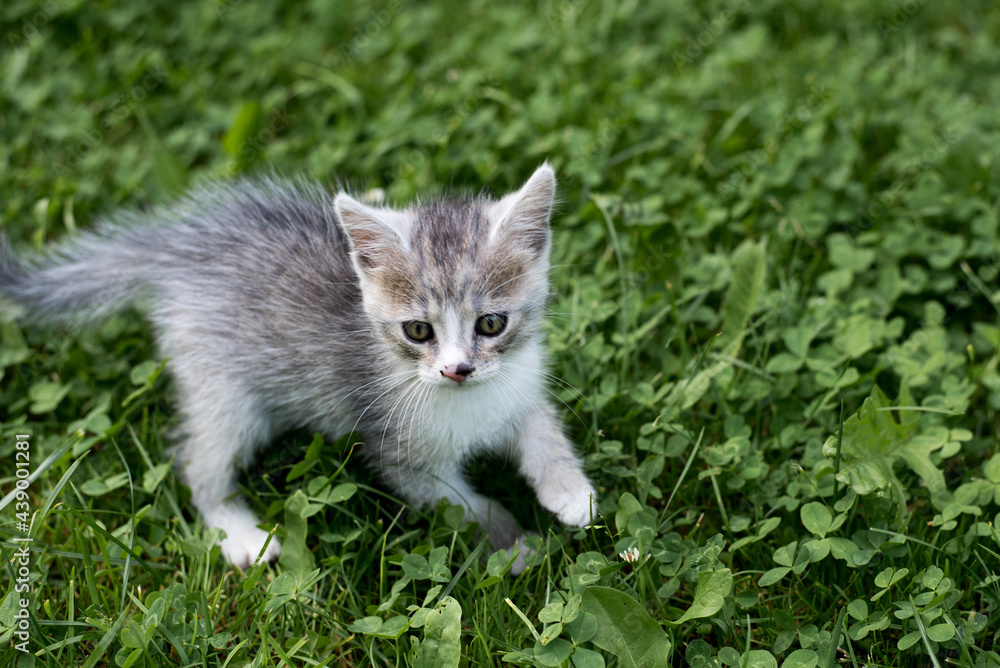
630 555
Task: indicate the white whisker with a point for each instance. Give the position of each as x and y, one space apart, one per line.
500 390
418 413
388 420
522 274
566 385
559 399
373 401
359 391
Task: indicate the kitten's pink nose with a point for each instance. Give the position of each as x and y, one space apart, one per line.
457 372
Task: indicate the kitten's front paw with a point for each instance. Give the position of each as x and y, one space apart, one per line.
242 544
582 512
575 506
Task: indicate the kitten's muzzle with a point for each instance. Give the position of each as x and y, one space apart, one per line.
457 372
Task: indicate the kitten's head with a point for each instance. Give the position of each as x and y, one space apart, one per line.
453 285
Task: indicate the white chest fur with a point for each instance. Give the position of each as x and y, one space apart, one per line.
483 414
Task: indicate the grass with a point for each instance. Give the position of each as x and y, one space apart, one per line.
774 325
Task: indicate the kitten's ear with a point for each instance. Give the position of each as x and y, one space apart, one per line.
522 218
377 236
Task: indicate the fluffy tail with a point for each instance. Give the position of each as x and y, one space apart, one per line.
85 281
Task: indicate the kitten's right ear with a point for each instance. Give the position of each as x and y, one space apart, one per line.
377 236
522 218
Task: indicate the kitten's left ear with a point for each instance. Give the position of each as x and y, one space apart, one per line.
522 218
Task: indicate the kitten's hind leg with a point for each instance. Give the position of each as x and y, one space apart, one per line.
222 430
422 488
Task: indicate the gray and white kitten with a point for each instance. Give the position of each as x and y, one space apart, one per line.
280 305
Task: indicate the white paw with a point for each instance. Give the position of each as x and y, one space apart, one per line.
243 541
243 544
574 506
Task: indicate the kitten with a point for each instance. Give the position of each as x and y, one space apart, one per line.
279 305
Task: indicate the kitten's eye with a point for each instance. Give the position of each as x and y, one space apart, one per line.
418 330
491 324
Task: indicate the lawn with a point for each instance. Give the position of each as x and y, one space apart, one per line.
774 331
